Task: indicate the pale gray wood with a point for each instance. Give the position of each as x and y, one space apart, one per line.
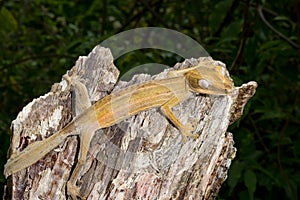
142 157
42 117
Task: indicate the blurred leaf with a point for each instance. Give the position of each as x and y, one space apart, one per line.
233 29
218 13
7 22
297 147
250 182
235 173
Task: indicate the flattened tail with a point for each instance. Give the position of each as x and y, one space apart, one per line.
36 150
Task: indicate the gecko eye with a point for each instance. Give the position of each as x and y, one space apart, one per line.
203 83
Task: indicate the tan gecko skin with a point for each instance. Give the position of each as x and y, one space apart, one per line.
165 93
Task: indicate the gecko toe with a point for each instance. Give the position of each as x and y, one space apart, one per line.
74 191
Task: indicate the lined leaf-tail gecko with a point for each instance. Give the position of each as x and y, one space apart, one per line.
117 106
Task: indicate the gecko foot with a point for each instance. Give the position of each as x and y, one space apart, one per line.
187 129
74 191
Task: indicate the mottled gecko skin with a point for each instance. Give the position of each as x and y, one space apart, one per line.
117 106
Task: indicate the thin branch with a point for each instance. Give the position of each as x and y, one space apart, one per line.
104 16
129 20
293 44
257 133
154 13
245 34
227 18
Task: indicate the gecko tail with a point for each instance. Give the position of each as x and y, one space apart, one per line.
36 150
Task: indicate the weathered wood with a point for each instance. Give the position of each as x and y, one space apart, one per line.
142 157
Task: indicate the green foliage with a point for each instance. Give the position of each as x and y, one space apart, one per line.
40 40
7 21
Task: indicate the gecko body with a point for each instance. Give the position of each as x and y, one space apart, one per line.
119 105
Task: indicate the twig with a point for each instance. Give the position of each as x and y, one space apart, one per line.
227 18
103 18
257 133
155 14
260 12
239 55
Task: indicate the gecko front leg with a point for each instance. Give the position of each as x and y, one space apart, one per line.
186 130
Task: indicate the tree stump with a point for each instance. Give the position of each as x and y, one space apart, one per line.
142 157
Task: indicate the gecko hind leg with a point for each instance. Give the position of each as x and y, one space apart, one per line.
85 127
72 189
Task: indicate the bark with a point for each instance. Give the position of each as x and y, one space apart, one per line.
142 157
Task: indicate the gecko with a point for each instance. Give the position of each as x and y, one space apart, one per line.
164 94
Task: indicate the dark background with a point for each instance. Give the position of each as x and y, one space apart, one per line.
258 40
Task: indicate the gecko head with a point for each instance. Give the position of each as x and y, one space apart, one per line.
208 79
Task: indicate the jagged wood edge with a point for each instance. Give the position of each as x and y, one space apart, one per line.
49 113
